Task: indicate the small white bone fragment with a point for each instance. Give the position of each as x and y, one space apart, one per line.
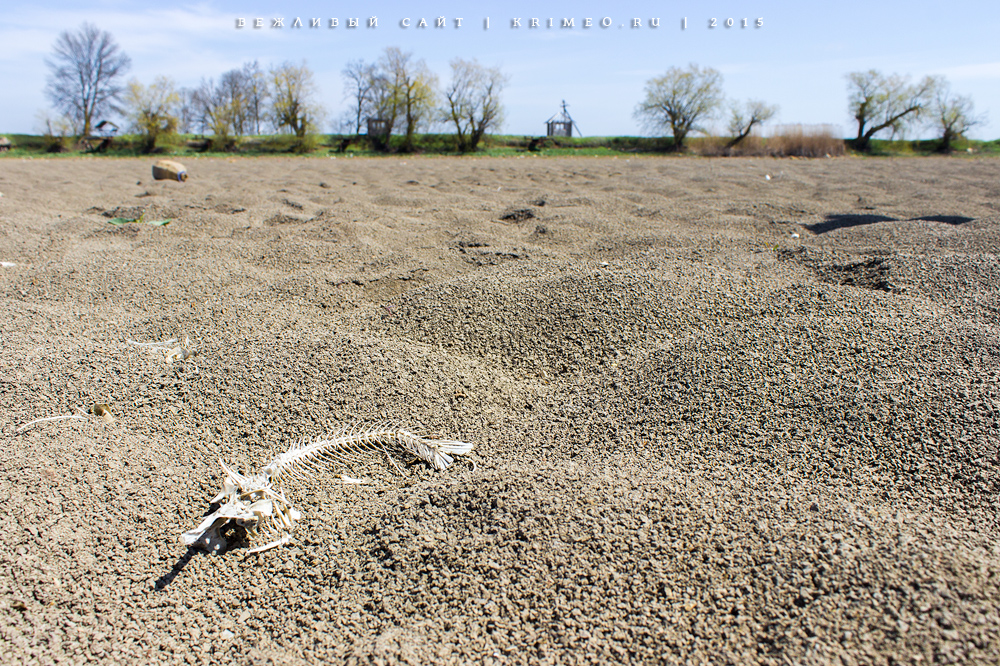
164 343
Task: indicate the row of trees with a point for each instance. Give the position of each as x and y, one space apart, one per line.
879 102
400 91
682 100
243 101
404 95
86 84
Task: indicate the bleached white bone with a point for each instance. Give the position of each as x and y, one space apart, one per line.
47 419
257 501
161 343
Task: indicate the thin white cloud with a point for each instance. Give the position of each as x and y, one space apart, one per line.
197 43
984 70
20 44
137 32
733 68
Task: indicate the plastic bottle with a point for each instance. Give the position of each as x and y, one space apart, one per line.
169 170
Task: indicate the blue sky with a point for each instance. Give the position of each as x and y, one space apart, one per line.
797 60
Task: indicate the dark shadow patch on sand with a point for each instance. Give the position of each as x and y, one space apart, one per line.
232 538
946 219
518 215
228 209
168 578
492 258
873 272
283 219
836 221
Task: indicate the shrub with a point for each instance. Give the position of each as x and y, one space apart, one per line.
805 141
222 143
710 146
55 131
152 110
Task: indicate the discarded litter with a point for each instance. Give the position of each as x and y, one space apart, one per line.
172 350
7 264
139 220
169 170
104 412
767 177
794 235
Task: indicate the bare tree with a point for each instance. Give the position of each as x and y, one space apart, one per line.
152 111
87 68
679 100
743 118
235 106
215 113
233 89
293 105
384 101
360 80
412 87
472 101
878 102
187 111
952 115
257 93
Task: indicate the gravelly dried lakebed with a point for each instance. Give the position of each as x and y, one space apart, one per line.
718 418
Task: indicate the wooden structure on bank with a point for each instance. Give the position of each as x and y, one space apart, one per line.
102 138
561 124
378 127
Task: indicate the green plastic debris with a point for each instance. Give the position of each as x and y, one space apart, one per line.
140 220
